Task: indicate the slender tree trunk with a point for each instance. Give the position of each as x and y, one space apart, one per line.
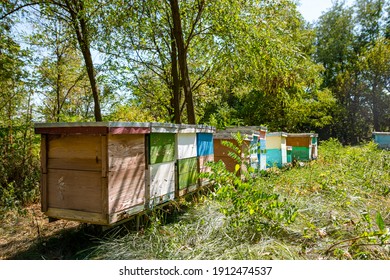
182 58
79 23
175 81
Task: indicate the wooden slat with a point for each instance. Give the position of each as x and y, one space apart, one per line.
75 152
129 130
162 147
44 145
186 145
126 151
298 141
126 189
72 130
104 179
75 190
127 166
74 215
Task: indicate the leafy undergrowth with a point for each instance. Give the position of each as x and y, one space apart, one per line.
342 211
336 207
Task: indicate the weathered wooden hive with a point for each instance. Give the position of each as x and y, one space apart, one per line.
382 139
276 149
93 172
248 147
204 150
301 144
161 172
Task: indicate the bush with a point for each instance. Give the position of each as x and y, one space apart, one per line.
19 169
245 199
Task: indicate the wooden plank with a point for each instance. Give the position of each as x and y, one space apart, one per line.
75 190
205 144
104 179
126 189
126 151
125 214
129 130
162 182
72 130
75 152
186 145
162 147
186 165
298 141
44 145
74 215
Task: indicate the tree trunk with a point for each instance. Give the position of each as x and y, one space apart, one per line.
175 81
79 23
182 57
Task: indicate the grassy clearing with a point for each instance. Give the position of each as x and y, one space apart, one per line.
343 212
342 207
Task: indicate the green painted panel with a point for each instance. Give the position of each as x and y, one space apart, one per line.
188 173
188 179
300 153
314 140
161 147
187 164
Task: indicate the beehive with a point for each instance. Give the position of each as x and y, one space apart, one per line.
276 149
249 149
93 172
382 139
301 144
161 172
187 163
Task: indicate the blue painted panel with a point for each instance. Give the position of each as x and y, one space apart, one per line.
382 140
262 144
274 157
205 145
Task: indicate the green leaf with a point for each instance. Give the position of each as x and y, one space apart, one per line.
379 222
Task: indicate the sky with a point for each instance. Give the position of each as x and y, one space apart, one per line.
312 9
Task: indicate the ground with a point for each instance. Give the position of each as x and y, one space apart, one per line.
31 236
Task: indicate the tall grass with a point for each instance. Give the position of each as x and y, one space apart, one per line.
343 212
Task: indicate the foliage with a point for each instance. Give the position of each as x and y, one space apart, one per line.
351 44
245 201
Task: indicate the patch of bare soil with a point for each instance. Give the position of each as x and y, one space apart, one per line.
31 236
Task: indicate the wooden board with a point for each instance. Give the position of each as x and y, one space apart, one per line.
187 172
126 155
298 141
126 189
75 190
161 147
186 145
74 215
202 168
75 152
162 183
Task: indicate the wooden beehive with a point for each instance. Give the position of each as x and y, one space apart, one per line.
161 171
276 149
382 139
204 150
301 144
93 172
221 152
187 167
